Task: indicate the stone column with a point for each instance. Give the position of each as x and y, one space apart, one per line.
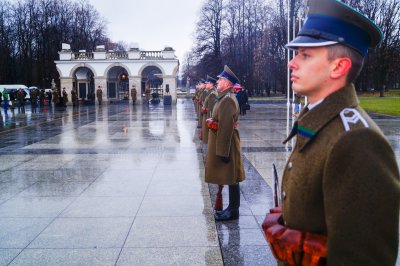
135 80
67 84
171 81
101 81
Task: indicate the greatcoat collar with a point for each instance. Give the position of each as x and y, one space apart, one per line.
310 123
224 93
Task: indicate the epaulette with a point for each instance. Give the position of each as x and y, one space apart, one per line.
351 116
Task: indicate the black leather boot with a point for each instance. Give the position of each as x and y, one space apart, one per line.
232 211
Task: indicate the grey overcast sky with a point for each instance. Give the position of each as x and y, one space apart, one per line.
152 24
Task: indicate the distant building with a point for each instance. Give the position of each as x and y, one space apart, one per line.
117 71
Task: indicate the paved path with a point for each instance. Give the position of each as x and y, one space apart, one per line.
124 185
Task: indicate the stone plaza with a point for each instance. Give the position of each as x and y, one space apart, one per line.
121 184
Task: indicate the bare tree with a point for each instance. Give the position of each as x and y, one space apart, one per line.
33 31
208 35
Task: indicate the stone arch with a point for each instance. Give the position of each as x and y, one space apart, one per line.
117 65
175 71
117 78
152 80
82 77
150 64
73 70
59 71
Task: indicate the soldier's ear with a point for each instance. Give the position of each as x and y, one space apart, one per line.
340 67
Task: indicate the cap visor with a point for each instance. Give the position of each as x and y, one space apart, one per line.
305 41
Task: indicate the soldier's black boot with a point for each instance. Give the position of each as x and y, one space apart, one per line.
232 211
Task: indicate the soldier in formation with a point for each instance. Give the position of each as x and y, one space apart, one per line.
56 97
147 93
74 97
133 94
224 163
65 97
208 106
99 95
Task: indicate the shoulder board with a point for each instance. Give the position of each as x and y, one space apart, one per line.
351 116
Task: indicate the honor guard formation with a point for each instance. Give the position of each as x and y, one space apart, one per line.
113 198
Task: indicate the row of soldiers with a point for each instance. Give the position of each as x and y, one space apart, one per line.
217 111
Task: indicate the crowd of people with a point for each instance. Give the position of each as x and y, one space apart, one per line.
11 99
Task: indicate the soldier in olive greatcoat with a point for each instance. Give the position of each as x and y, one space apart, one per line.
74 97
65 97
208 106
202 113
134 94
147 93
224 163
341 182
99 95
200 99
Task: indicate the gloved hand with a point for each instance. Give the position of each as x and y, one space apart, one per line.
224 159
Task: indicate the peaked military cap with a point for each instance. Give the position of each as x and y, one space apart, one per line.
331 21
228 74
211 80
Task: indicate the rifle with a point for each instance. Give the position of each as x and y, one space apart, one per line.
276 186
218 200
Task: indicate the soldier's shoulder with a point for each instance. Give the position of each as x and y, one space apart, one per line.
352 122
354 118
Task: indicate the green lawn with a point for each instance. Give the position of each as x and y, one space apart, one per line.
385 105
267 98
390 93
388 105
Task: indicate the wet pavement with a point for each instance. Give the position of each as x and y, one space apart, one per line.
124 185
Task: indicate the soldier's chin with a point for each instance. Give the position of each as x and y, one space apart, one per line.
296 89
221 89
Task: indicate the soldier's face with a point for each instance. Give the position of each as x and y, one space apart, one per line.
223 84
310 72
